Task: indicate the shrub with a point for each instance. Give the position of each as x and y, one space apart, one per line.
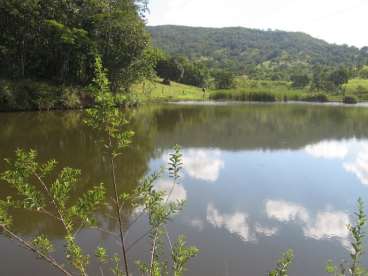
71 99
220 95
360 89
350 100
261 97
320 97
7 99
244 96
166 82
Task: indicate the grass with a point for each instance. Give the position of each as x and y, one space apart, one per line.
282 90
156 91
31 95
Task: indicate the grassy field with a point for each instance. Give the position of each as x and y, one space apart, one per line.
245 90
156 91
279 90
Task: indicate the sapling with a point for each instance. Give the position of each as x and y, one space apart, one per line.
357 232
38 191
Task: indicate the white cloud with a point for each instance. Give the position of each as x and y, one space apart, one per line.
203 164
328 150
286 211
173 192
359 166
236 223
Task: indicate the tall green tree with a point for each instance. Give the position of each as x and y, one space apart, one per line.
59 40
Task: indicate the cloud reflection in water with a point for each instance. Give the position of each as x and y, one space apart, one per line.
325 225
203 164
353 153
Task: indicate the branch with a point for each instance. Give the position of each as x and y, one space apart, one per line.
53 201
30 247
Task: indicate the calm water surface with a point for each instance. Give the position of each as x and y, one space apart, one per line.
258 179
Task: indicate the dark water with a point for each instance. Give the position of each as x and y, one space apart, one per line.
258 179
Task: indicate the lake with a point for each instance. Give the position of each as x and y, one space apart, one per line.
257 179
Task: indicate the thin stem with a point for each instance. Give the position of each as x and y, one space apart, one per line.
101 271
105 231
43 184
133 222
118 213
168 238
153 253
29 246
138 240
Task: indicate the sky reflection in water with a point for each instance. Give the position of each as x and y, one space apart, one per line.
257 179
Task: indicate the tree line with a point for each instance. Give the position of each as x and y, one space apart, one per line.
59 40
266 55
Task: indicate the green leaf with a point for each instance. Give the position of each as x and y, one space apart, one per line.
43 244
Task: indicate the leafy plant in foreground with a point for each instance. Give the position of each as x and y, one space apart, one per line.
358 233
38 191
283 264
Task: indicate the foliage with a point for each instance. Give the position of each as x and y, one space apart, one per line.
339 77
224 79
319 97
350 100
363 72
300 81
283 264
34 95
244 96
170 69
36 190
160 209
357 232
271 55
58 41
181 255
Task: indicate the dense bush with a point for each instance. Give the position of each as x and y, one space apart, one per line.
261 97
31 95
244 96
220 95
181 70
360 90
59 40
299 80
350 100
224 79
319 97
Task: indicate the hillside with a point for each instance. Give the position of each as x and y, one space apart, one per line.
243 50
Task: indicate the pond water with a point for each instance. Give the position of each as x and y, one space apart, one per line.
258 179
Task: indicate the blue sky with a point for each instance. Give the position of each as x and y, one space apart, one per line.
336 21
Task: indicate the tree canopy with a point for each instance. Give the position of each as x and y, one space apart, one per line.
59 40
273 55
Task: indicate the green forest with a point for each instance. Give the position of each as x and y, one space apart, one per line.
257 53
48 52
101 56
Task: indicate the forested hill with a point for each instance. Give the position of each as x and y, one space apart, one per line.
243 49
